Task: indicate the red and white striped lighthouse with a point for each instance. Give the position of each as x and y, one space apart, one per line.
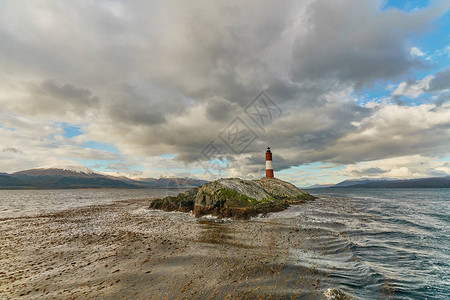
269 168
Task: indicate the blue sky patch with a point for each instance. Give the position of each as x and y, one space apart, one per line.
408 6
71 130
101 146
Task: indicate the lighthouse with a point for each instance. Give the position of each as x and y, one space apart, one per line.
269 168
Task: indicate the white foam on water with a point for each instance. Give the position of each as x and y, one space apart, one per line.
336 294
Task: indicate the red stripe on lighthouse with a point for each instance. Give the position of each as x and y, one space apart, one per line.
269 168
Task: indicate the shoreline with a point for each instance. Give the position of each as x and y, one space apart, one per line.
124 250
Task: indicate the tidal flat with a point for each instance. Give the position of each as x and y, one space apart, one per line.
125 251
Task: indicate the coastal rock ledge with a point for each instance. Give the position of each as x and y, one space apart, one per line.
235 198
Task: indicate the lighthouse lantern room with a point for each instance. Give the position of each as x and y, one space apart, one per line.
269 168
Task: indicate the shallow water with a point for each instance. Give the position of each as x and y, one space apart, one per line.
19 203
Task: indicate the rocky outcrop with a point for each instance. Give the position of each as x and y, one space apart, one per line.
184 202
235 198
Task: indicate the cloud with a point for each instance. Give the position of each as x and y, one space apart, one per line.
437 83
31 142
441 81
12 150
49 99
441 99
160 77
67 92
413 88
220 110
359 45
404 167
120 166
389 131
397 131
416 52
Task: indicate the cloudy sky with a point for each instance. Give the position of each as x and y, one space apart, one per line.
160 88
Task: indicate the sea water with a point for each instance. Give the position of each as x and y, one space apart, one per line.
19 203
377 243
371 243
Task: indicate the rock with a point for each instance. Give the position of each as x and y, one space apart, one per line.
283 190
184 202
235 198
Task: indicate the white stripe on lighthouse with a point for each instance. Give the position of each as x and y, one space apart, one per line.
268 165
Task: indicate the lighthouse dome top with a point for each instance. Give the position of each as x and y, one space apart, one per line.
268 150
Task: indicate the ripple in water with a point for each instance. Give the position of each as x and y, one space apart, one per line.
370 243
377 243
19 203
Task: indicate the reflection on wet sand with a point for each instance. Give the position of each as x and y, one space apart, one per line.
125 251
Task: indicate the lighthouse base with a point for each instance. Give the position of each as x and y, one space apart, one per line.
269 173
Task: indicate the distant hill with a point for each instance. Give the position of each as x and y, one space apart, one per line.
348 182
319 186
76 177
77 171
10 181
434 182
353 182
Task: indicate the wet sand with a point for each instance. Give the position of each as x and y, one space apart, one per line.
125 251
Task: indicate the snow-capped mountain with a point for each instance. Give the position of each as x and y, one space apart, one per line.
72 168
67 170
433 182
77 176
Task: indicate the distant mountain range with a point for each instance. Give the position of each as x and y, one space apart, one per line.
319 186
433 182
76 177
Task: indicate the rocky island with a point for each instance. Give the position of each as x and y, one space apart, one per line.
235 198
